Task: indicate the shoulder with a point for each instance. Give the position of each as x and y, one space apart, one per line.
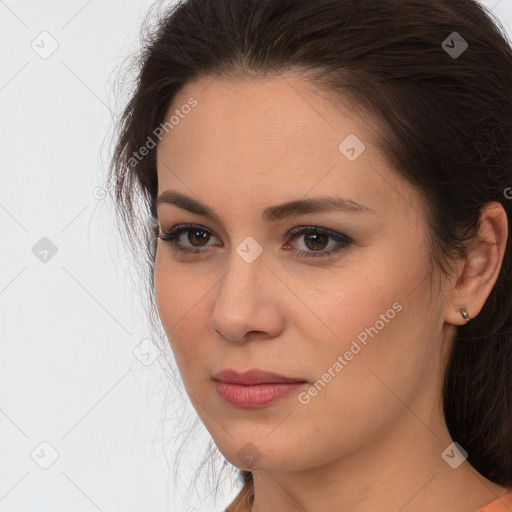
501 504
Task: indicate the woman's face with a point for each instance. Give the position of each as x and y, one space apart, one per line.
356 326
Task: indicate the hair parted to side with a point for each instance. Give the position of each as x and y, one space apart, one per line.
444 123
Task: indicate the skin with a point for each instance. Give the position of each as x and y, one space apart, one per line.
372 438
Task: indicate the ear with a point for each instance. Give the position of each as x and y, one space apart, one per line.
481 265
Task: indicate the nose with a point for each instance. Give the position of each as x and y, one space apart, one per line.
247 302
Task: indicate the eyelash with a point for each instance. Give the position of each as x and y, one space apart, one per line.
171 238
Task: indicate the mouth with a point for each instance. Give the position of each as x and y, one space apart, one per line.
253 377
254 388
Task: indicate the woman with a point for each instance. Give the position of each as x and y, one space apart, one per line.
327 185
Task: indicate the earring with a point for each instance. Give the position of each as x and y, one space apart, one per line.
464 314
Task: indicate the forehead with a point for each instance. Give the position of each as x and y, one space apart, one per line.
279 136
273 118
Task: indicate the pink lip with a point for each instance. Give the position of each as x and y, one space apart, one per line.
254 376
254 388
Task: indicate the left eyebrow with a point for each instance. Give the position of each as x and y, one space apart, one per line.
271 213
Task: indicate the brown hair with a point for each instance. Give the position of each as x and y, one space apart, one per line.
444 113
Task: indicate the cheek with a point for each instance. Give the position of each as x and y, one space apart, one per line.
369 320
359 372
178 303
349 301
378 345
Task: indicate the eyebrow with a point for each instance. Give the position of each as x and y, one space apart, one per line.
271 213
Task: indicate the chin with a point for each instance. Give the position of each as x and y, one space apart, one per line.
254 452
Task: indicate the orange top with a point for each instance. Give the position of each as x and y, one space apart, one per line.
502 504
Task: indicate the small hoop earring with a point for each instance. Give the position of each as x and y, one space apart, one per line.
464 314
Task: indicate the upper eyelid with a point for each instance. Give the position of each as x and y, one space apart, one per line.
292 233
185 226
341 240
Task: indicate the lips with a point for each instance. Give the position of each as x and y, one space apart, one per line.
253 377
254 388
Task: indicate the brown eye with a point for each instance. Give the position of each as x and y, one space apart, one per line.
198 235
315 242
318 241
196 238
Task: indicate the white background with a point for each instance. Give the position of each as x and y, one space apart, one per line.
69 327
